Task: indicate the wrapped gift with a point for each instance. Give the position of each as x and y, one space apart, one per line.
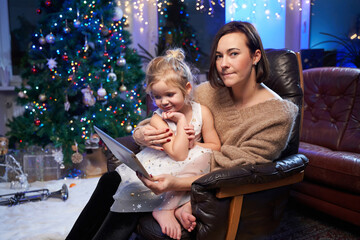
41 167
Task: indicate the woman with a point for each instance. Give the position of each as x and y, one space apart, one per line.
252 121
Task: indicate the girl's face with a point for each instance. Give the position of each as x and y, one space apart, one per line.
168 97
234 62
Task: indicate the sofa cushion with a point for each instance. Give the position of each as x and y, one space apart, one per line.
339 198
333 168
332 108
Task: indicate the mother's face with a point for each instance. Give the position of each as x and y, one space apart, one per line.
234 62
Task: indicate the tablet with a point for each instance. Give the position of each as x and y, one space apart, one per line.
122 153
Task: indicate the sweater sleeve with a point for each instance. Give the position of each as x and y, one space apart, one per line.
140 125
261 142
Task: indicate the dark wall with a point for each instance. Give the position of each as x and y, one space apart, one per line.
206 27
337 17
23 19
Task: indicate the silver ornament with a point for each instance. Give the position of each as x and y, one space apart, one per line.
77 23
21 94
118 14
67 29
112 76
121 62
50 38
101 92
67 106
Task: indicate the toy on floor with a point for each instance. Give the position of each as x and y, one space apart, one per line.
4 145
23 197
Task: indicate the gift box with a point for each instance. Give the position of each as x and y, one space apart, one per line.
41 167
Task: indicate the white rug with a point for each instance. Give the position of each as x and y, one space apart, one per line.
51 219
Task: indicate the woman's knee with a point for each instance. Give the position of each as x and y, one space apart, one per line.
110 180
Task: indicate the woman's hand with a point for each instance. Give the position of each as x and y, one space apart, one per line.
152 137
158 184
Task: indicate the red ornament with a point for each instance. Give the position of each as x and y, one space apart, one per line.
65 57
33 69
37 122
38 11
48 3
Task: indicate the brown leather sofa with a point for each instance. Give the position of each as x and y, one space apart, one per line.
261 210
330 138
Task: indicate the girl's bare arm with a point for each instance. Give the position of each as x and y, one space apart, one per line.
209 134
177 147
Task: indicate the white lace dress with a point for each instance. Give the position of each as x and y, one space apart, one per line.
133 196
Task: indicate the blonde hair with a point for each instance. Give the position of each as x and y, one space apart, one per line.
170 68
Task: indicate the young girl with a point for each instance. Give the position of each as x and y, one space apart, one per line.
169 84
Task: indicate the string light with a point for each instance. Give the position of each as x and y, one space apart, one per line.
248 10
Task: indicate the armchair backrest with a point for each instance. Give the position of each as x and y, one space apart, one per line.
332 108
286 80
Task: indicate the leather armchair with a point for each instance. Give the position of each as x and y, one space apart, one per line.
257 194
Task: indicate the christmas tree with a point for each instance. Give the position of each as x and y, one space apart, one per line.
80 71
176 32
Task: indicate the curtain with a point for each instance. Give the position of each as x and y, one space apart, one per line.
5 45
143 22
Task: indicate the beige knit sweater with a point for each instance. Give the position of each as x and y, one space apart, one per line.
252 135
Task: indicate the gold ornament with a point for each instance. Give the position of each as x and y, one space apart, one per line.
114 94
76 157
42 97
122 88
86 45
4 145
101 92
128 128
74 147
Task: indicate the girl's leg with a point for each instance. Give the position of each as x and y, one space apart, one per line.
165 214
97 208
118 226
185 217
168 223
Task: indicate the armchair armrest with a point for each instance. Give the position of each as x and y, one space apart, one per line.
213 191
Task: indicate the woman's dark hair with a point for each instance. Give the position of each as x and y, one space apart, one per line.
253 43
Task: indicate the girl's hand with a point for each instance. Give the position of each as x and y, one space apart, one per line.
189 130
158 184
152 137
173 116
